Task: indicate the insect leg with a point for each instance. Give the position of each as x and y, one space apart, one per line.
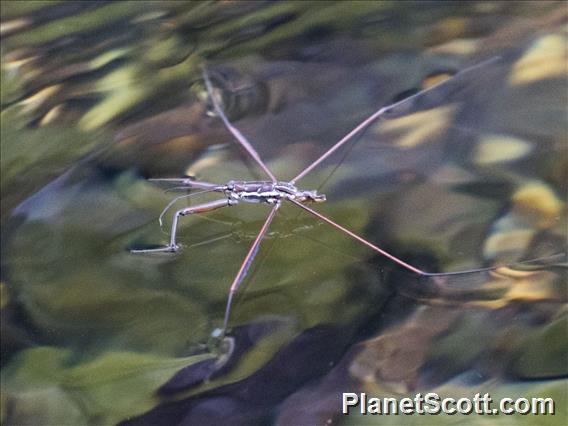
247 262
234 131
361 240
201 208
393 257
386 110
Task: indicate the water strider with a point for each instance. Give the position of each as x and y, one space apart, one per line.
274 192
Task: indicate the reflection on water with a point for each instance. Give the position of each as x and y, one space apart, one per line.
97 97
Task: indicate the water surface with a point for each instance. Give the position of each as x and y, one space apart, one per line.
98 97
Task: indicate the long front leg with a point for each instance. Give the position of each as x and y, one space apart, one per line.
201 208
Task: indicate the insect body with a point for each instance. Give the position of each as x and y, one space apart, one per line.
268 192
274 191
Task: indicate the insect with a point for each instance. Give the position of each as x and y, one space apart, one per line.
274 192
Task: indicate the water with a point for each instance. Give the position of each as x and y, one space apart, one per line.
98 97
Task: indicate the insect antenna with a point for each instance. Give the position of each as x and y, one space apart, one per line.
177 188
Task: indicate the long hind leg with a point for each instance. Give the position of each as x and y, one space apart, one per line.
379 250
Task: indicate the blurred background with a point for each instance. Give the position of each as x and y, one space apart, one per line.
97 97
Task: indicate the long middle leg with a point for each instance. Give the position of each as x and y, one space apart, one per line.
241 139
247 262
